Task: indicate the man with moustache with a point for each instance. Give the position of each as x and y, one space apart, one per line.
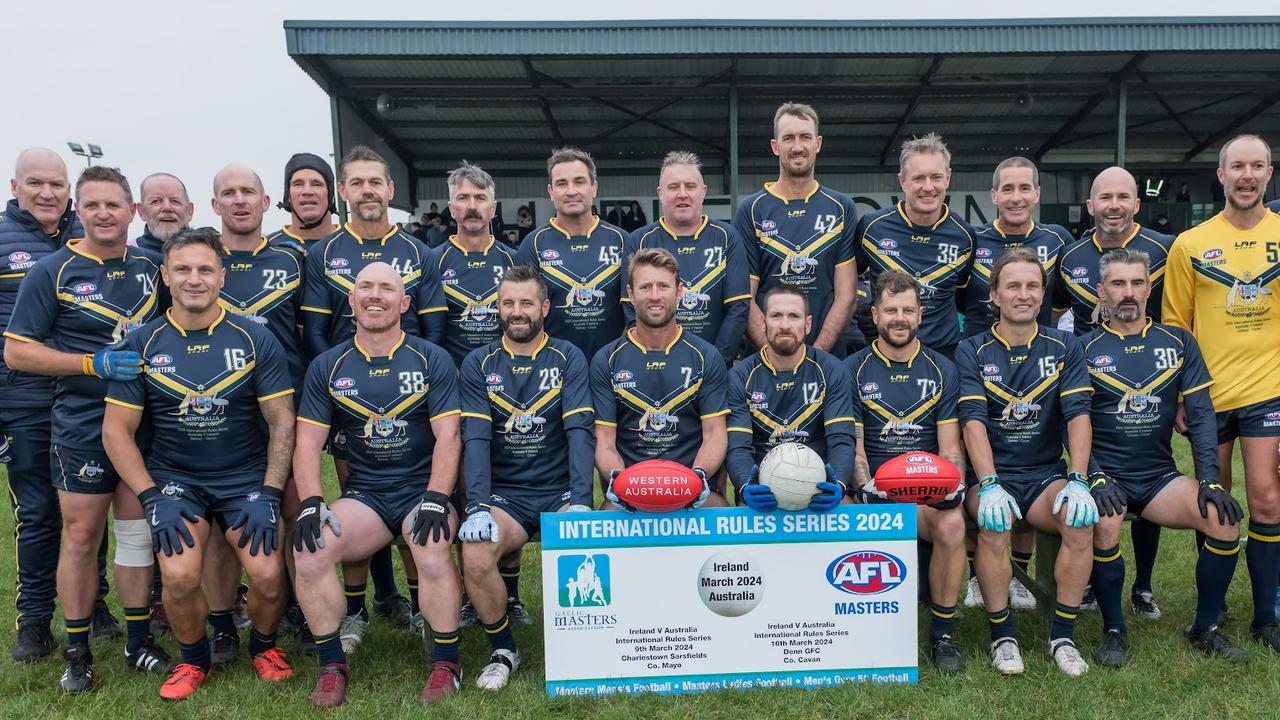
527 429
309 200
165 207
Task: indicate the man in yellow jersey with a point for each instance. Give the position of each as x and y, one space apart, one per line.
1222 284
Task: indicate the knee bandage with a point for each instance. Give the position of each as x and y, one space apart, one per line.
133 543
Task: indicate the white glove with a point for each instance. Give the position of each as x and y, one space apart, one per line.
578 508
479 527
1082 511
996 507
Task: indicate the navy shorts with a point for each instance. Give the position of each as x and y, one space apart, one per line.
218 502
1025 489
1256 420
526 507
392 506
82 470
1140 492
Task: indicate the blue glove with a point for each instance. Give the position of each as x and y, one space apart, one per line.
1082 511
165 515
117 365
996 507
612 497
260 518
756 496
479 525
829 494
706 489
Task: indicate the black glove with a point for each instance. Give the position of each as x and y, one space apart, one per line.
260 518
165 515
313 514
1229 510
431 519
1107 494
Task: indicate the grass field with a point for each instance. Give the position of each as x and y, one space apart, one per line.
1164 678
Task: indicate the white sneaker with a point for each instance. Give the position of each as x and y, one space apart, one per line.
973 595
1020 598
495 675
1068 658
1006 657
351 632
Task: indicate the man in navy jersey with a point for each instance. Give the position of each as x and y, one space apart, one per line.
801 232
921 237
73 309
1141 370
659 392
165 207
212 382
789 392
713 263
579 255
1024 390
527 428
904 400
396 397
309 200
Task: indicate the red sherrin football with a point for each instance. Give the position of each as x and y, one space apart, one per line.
657 486
917 477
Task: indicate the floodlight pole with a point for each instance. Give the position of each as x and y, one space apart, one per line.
1122 119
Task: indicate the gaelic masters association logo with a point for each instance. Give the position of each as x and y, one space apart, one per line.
583 584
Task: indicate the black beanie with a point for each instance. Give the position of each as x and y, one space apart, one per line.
307 161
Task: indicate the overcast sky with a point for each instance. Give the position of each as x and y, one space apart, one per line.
186 87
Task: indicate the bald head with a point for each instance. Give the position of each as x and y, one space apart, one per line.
378 299
39 159
1113 203
239 199
1114 177
40 186
236 174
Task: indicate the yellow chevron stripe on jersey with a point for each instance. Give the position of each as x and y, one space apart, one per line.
1031 394
886 414
170 384
813 248
796 422
666 407
533 407
262 306
571 284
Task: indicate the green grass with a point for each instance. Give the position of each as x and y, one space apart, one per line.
1164 677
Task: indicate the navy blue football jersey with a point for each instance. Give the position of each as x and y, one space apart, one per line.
989 243
1138 382
524 406
1026 395
264 286
799 242
201 394
713 271
287 233
467 283
811 404
657 399
899 405
1078 275
937 256
584 281
384 405
77 303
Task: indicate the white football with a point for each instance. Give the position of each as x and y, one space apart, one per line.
792 471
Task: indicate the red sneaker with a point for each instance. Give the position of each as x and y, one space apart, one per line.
331 687
445 680
272 665
183 682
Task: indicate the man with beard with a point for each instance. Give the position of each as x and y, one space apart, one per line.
800 232
1140 371
659 392
73 310
789 392
1224 278
526 423
396 397
165 208
904 400
309 200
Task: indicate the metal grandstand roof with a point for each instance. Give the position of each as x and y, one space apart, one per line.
505 93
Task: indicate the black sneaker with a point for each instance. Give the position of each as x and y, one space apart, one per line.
1144 605
1113 649
149 657
1089 601
946 655
77 674
35 642
395 608
517 612
102 624
224 648
1268 635
467 615
1213 643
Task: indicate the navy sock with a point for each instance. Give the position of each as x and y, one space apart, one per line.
511 579
329 649
197 653
1001 624
942 620
413 595
499 634
444 647
260 642
1146 545
137 623
77 632
1064 622
1214 567
1022 561
1262 555
382 571
355 600
1108 586
223 622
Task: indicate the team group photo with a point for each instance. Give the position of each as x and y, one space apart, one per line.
280 446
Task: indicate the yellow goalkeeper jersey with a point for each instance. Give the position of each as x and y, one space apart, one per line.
1223 284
